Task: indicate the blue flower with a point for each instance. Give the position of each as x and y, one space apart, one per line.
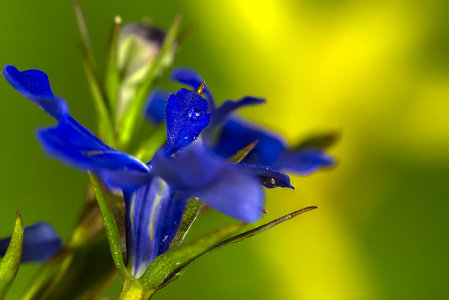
155 193
161 203
71 142
235 133
271 149
40 242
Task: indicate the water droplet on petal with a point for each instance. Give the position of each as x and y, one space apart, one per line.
271 182
194 114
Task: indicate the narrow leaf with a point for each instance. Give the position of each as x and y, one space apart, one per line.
241 154
112 231
131 119
99 99
85 36
260 229
10 263
112 73
324 140
190 214
167 266
90 67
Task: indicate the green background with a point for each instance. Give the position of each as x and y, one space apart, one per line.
377 72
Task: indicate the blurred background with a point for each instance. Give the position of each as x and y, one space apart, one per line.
376 71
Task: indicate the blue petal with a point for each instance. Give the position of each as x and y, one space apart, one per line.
192 168
186 116
304 161
155 108
233 193
270 151
170 217
269 177
229 106
40 242
153 215
191 78
237 134
34 85
225 187
76 146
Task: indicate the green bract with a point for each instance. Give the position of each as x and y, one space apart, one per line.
9 264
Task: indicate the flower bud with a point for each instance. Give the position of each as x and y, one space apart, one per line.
139 46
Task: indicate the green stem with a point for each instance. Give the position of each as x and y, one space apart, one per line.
133 290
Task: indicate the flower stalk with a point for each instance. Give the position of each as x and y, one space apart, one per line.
133 290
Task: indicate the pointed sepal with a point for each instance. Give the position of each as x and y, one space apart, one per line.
10 263
111 79
86 43
323 140
242 153
191 212
250 233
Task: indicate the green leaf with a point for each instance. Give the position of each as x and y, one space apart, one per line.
112 231
10 263
99 100
90 67
190 214
90 58
323 140
260 229
241 154
112 72
131 119
168 266
155 140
